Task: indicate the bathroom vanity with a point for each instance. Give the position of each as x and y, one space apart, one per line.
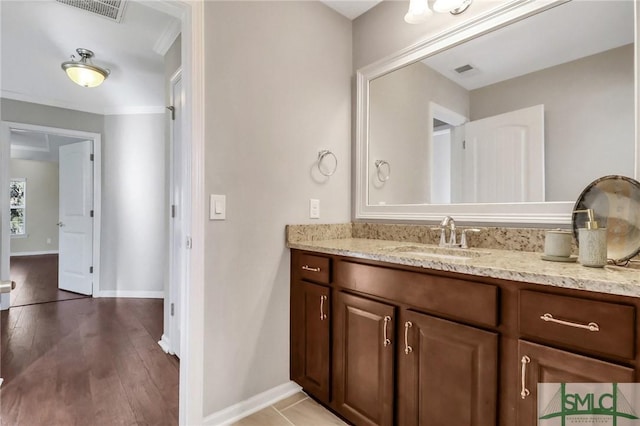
386 332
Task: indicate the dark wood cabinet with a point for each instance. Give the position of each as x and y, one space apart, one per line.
384 344
448 373
544 364
363 361
310 338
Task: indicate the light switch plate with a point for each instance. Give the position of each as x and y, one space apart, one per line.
217 207
314 208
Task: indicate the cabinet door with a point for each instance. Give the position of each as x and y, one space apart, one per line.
363 360
310 348
448 373
543 364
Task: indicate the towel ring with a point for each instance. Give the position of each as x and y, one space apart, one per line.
322 155
383 169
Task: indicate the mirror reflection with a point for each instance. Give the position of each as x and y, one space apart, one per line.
516 115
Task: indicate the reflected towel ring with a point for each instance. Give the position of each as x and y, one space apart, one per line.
322 155
383 170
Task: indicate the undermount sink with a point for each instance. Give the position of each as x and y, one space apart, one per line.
444 253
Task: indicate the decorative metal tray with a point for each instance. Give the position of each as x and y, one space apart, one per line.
615 201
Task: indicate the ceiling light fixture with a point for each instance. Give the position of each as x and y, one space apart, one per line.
419 11
83 72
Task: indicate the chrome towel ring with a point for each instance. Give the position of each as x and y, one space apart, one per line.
324 157
383 169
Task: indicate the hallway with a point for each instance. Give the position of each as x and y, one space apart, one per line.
36 280
87 361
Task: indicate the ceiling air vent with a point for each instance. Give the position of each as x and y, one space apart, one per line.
463 68
110 9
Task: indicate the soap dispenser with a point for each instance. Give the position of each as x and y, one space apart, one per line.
592 242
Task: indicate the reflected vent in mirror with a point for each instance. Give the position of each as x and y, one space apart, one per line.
110 9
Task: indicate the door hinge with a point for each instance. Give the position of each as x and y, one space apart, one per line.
91 213
173 210
91 269
173 112
91 157
464 144
173 311
189 243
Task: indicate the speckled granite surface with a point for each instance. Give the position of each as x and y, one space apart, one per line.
521 239
504 264
297 233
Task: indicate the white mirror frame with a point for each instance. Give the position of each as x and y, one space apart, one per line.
549 213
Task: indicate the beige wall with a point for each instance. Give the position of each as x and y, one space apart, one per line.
134 207
41 204
278 84
589 117
400 130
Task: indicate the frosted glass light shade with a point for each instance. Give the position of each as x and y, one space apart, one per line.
418 13
85 76
83 72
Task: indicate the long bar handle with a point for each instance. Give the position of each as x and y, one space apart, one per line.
309 268
524 392
592 326
323 316
407 349
387 320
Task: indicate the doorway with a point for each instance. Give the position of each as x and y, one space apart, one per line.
78 239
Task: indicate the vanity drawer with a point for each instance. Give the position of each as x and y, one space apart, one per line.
566 320
315 268
450 297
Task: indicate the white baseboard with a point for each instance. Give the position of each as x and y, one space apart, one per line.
249 406
164 343
34 253
132 294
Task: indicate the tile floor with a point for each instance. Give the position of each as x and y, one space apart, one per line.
297 410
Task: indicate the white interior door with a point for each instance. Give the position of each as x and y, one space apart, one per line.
177 225
504 158
76 218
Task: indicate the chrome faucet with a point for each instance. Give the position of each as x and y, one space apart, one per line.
451 224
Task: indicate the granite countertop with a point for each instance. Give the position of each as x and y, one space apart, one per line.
504 264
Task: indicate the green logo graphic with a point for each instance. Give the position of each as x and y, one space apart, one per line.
589 406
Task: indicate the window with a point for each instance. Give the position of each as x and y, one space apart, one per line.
17 203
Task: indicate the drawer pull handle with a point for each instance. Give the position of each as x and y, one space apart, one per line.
592 326
323 316
309 268
407 349
387 341
524 392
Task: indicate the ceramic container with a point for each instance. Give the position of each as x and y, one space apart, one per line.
557 243
593 247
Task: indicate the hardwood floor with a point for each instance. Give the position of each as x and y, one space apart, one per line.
36 280
87 362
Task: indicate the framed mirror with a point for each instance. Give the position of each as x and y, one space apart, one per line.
497 120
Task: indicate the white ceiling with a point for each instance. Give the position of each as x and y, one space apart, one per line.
37 36
565 33
351 8
38 146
